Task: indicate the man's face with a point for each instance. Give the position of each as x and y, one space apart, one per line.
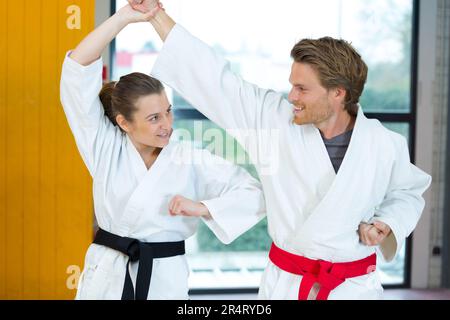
310 99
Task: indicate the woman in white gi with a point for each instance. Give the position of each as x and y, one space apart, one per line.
315 204
144 184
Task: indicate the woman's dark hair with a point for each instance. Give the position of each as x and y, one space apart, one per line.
121 97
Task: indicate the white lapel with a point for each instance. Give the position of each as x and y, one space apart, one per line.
323 168
137 163
357 140
337 182
148 179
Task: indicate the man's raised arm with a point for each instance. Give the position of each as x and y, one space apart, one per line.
160 20
205 80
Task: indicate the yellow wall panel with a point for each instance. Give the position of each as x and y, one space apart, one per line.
68 157
3 64
63 164
45 189
31 126
15 154
47 158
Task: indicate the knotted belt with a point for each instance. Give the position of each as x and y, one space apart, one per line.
327 274
144 252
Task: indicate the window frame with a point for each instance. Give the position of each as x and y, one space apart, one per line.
406 118
445 267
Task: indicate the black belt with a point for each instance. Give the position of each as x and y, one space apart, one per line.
139 251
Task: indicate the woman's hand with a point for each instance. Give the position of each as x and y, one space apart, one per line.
91 48
373 234
181 206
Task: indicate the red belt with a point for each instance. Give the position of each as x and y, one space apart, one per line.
329 275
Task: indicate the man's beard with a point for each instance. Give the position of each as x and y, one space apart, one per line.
312 118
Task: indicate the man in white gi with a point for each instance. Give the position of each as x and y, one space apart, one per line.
327 214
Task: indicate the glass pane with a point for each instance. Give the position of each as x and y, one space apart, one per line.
394 272
380 30
258 47
399 127
213 264
209 136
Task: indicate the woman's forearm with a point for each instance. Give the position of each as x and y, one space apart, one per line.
91 48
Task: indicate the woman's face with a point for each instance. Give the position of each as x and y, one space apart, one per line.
152 122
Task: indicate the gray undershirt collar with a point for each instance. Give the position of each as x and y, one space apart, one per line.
337 147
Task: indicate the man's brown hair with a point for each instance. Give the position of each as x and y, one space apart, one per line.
338 65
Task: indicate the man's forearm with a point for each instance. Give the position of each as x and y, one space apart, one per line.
160 20
163 24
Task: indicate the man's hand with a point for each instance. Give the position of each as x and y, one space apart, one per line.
131 15
160 20
181 206
145 6
373 234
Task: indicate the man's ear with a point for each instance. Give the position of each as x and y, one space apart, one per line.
338 94
123 123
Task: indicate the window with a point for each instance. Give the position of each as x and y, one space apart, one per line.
258 44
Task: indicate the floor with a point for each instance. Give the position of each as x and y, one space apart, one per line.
409 294
390 294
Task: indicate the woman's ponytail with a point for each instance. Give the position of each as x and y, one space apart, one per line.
106 97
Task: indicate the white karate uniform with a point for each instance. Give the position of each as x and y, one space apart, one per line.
311 210
131 201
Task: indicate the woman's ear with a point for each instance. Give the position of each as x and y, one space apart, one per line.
123 123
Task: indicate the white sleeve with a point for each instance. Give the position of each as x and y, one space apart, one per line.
233 197
80 88
206 81
403 204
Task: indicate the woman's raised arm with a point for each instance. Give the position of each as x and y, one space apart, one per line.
91 48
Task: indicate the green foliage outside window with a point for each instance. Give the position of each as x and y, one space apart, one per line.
257 238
